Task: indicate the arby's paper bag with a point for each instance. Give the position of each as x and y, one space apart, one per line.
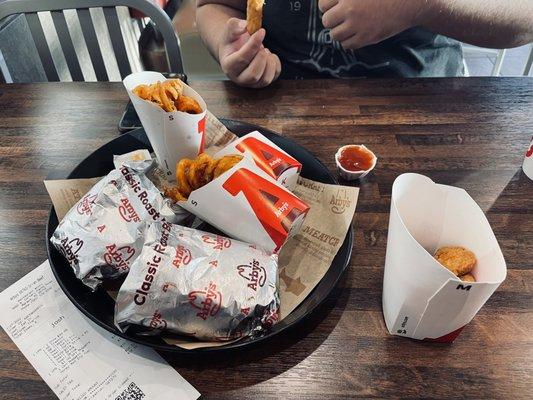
173 135
421 298
279 165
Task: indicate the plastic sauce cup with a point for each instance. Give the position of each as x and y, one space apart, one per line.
353 175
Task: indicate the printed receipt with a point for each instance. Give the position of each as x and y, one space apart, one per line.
75 357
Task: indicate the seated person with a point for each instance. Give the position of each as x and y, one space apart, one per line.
357 38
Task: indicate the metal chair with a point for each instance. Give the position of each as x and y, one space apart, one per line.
500 56
30 8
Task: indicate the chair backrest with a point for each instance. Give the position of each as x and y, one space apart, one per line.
30 8
529 63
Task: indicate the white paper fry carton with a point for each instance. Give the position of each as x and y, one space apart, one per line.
421 298
173 135
282 167
247 204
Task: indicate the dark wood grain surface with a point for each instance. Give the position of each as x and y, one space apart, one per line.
470 133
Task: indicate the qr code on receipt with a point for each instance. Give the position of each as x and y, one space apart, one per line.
132 392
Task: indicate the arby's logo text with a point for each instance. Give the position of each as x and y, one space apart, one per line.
157 321
218 242
119 257
70 249
206 301
183 256
254 273
127 211
85 205
340 202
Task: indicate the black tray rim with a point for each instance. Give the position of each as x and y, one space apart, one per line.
231 347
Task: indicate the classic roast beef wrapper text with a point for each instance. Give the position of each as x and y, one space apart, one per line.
199 284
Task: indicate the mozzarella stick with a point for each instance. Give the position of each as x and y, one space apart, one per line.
254 15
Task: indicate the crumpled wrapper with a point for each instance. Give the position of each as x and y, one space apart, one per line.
101 235
199 284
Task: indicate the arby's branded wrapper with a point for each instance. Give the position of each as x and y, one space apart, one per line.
249 205
155 174
199 284
101 235
277 163
421 298
173 135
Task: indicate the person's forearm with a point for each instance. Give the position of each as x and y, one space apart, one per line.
486 23
211 19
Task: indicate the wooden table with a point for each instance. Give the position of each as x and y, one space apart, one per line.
466 132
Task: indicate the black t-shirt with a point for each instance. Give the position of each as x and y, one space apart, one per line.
296 34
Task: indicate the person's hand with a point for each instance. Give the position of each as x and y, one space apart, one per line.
244 59
360 23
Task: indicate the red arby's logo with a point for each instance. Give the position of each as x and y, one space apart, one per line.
275 208
70 248
207 301
183 256
271 160
218 242
119 257
127 211
254 273
529 152
86 203
157 321
201 131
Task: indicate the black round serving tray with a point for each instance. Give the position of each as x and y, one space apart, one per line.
99 306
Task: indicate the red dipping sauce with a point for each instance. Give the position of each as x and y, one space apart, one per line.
356 159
